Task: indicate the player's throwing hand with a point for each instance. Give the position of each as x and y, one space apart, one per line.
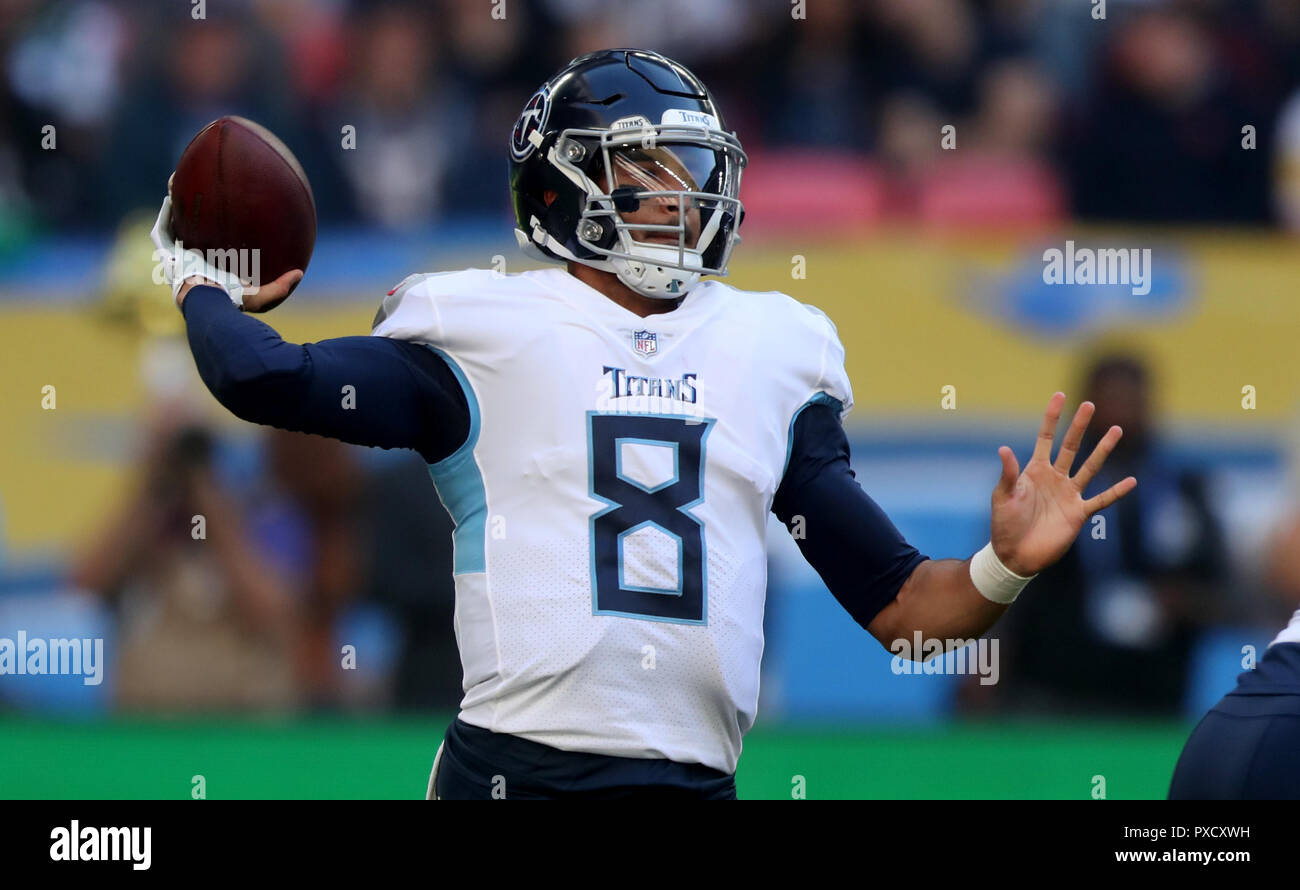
1038 512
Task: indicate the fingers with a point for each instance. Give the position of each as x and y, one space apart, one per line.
1097 458
1010 470
272 294
1073 436
1110 495
281 285
1047 432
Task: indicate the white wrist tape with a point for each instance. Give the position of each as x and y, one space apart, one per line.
994 580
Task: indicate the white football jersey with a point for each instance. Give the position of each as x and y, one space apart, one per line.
611 501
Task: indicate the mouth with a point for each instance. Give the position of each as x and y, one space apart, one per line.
668 239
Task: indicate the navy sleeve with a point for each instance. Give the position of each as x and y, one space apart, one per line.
403 395
845 536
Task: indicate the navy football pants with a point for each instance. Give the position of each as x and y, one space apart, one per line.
476 764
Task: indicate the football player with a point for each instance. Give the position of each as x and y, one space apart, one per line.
609 437
1245 747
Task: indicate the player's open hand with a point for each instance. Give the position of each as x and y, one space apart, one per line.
1038 512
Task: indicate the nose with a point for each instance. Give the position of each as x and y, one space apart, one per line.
667 205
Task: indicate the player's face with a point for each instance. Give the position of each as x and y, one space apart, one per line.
658 170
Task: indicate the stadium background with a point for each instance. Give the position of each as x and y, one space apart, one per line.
1125 132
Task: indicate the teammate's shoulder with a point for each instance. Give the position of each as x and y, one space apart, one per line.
777 308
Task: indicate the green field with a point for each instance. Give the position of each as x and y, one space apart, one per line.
372 758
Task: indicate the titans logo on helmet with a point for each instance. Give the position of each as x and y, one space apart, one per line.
531 120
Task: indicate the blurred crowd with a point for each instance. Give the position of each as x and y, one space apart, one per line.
281 572
1139 116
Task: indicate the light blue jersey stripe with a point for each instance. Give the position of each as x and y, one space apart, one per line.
460 486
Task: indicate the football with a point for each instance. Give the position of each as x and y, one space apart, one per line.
238 188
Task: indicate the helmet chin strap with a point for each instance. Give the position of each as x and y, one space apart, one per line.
659 282
640 273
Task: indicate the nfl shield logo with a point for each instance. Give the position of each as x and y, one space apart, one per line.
645 342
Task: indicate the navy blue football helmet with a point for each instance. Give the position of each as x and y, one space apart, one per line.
621 162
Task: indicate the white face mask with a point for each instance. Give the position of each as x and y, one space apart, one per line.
666 263
672 202
663 198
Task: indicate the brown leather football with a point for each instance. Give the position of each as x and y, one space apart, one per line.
237 187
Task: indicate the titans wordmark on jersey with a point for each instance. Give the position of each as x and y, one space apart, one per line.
611 501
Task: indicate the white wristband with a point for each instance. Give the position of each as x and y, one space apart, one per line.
994 580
